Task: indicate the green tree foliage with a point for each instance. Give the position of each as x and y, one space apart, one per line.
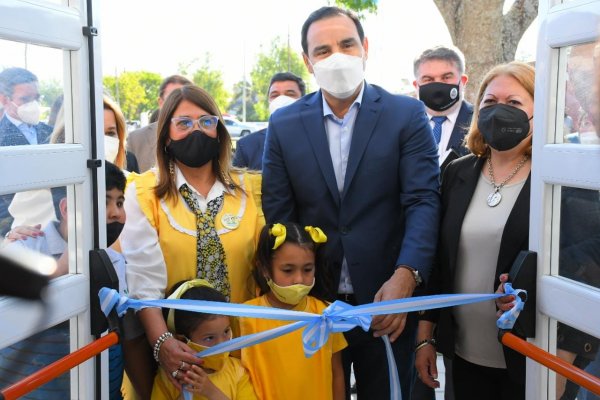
211 80
279 58
236 105
50 91
358 5
136 92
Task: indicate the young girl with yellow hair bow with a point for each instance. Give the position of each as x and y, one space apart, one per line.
289 274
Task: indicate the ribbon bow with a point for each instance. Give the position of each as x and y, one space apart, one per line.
279 231
316 234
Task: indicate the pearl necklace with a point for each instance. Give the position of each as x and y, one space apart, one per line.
495 197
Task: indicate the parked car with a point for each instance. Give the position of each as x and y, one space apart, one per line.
237 128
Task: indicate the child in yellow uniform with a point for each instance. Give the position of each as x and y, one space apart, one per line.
217 377
289 276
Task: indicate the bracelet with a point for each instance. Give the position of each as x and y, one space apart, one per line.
424 343
159 342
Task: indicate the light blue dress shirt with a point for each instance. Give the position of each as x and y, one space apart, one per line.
339 136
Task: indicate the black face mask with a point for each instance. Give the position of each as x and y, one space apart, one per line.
439 96
503 126
113 230
194 150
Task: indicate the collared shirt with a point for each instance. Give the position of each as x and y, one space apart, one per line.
29 131
339 136
447 128
215 191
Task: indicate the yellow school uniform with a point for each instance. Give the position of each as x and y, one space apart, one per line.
278 367
232 380
176 228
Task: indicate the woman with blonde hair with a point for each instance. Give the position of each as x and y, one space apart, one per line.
485 213
192 216
115 137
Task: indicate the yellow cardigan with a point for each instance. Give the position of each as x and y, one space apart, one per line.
238 224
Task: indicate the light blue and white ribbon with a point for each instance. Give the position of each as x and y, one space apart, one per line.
337 317
508 318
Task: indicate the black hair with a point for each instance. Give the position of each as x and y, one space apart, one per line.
329 12
288 76
186 322
295 234
114 177
58 193
11 77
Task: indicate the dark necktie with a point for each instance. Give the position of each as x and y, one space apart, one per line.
210 252
437 127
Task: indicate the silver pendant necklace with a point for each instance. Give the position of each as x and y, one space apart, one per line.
495 197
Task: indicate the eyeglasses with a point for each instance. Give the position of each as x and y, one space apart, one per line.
205 123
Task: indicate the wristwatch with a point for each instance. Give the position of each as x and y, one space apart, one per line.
414 272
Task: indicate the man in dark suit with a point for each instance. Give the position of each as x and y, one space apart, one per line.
284 89
440 81
361 164
142 141
20 125
19 95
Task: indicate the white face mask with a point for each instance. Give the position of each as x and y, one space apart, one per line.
29 112
111 148
280 101
339 74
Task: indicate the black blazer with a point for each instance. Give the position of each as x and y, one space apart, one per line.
458 185
461 127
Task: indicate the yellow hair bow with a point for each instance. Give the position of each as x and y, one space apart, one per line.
316 234
184 287
279 231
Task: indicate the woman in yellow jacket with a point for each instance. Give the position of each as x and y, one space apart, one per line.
191 216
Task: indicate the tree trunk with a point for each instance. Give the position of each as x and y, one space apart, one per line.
485 36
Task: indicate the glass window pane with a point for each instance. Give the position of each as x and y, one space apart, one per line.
43 208
29 355
579 247
580 349
31 94
581 119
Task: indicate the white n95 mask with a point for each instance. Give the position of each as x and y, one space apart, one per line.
279 102
339 74
111 148
29 112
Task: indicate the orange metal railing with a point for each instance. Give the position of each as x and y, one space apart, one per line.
59 367
572 373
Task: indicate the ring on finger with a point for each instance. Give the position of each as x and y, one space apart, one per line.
175 373
182 366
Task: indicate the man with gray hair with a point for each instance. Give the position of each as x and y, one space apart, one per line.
20 125
440 82
19 96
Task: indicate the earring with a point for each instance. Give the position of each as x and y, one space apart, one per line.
172 169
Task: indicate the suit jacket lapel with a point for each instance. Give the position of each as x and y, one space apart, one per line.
312 118
463 193
516 230
460 126
363 130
